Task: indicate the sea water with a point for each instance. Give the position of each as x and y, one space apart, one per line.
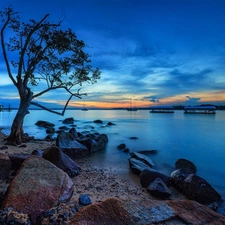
199 138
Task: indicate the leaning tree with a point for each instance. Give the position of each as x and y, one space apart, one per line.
46 56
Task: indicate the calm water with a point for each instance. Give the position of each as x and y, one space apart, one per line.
199 138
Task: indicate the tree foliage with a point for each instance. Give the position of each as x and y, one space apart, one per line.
46 54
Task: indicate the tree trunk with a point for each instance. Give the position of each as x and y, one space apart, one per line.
17 134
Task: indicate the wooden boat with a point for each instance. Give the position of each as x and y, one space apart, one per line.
200 110
161 109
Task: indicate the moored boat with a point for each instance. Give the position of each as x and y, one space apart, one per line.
161 109
200 110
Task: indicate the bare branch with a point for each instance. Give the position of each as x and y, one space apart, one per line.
45 108
78 95
53 111
4 50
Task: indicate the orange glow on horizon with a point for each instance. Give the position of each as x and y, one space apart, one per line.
205 97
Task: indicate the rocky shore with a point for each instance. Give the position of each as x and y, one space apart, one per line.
67 189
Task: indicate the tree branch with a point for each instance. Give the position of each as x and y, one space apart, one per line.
78 95
4 51
45 108
35 28
53 111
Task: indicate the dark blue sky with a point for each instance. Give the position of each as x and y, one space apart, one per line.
153 51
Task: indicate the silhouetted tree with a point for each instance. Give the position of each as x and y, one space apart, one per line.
46 55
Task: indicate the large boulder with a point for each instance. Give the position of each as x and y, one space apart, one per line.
110 212
90 144
185 164
123 212
147 176
178 176
102 141
37 186
5 166
61 160
194 187
198 189
67 143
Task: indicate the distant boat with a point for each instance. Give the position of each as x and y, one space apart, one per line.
131 107
200 110
161 109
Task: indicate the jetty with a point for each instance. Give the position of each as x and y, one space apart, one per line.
162 109
200 110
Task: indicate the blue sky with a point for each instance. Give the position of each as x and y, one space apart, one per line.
156 52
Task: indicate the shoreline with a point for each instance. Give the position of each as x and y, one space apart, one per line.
99 183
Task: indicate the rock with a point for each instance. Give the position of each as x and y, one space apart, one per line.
145 159
126 150
50 130
67 143
178 176
73 131
69 120
60 131
133 138
185 164
147 176
121 146
98 121
62 161
49 138
137 166
37 152
90 144
64 128
148 152
37 186
102 141
5 166
42 123
110 212
11 216
110 124
159 189
134 212
17 159
198 189
85 200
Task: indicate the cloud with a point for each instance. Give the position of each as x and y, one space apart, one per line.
151 99
192 101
